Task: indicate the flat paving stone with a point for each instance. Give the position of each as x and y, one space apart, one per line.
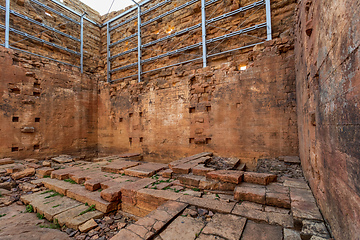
62 159
190 180
73 217
117 181
210 204
145 170
187 159
261 231
201 170
183 228
62 174
305 210
119 166
225 225
59 186
290 234
45 171
126 234
151 199
296 183
5 161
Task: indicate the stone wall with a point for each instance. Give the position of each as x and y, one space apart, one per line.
38 13
186 109
328 80
46 109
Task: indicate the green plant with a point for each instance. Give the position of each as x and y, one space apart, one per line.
90 209
56 206
54 225
48 191
54 195
46 176
2 215
40 216
196 189
29 208
70 181
99 190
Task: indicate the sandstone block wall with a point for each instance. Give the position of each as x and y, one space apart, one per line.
186 109
328 90
46 109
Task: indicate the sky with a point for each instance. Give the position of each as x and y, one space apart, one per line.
102 6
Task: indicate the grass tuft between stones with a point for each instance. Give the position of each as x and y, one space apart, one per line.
29 208
90 209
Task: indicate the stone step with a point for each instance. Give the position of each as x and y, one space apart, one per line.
187 159
6 161
185 168
119 166
145 170
259 178
60 209
201 170
149 226
210 204
274 194
230 176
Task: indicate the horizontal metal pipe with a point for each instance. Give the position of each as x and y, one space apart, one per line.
54 11
235 49
40 24
173 65
124 67
76 13
123 40
18 49
43 41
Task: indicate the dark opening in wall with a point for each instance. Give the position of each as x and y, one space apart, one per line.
14 90
37 119
141 139
36 85
130 115
15 119
140 114
36 147
14 149
208 140
130 141
192 110
208 108
36 94
238 105
120 119
191 140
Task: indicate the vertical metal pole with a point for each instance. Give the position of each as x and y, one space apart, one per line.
108 52
203 25
268 20
139 44
82 44
7 23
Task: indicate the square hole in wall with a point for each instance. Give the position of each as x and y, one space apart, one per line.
140 114
208 108
238 105
192 110
36 147
15 119
36 85
208 140
130 141
14 90
14 149
36 94
191 140
121 119
37 119
130 115
141 139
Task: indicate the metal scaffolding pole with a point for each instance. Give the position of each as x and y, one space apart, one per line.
108 51
268 20
82 43
139 40
7 24
203 25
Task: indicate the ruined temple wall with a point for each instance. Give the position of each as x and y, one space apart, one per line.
40 14
186 109
46 109
328 80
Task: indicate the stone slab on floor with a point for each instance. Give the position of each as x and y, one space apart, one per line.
5 161
230 176
117 181
278 195
183 228
261 231
73 217
190 180
119 166
226 226
58 186
92 198
62 159
210 204
151 199
108 158
44 171
62 174
145 170
187 159
185 168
